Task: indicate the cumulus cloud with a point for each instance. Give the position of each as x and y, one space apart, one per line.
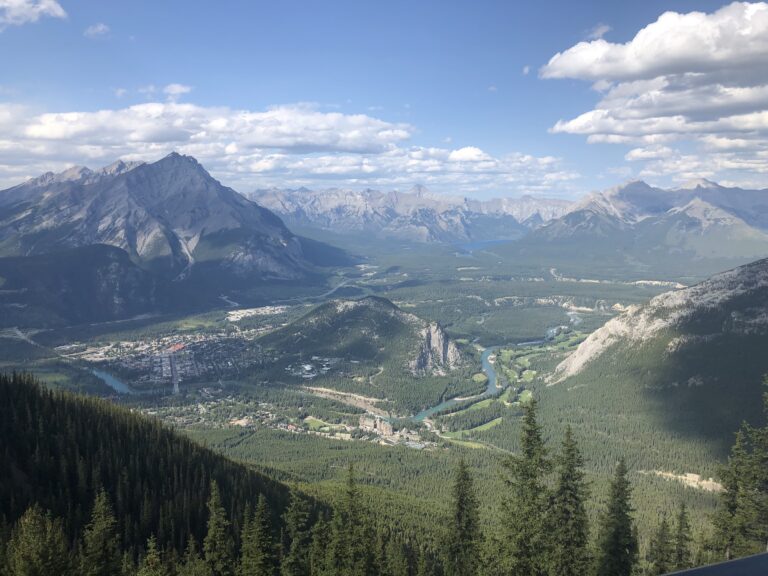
96 30
598 31
280 146
695 78
18 12
174 91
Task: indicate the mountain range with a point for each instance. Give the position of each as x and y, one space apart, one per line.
417 215
701 228
141 232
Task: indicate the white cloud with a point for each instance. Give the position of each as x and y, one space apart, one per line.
175 91
526 70
96 30
18 12
492 88
120 92
468 154
282 146
735 37
698 79
598 31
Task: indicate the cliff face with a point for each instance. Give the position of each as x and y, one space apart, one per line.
437 352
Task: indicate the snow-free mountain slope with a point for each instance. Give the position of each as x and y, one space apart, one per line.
167 215
417 215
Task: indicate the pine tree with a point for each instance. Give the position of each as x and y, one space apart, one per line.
218 545
152 563
682 540
351 546
101 550
617 540
318 550
463 550
523 550
741 523
567 520
38 546
661 551
257 556
297 527
193 564
396 561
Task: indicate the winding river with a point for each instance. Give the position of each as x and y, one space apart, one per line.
490 390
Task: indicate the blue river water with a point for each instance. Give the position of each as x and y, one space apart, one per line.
490 390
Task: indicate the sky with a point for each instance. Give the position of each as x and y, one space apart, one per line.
480 99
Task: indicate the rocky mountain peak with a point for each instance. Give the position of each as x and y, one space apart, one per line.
699 183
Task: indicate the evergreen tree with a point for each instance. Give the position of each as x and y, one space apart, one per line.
617 540
523 550
661 551
297 527
741 523
100 554
218 545
193 564
463 550
682 540
152 563
128 567
257 556
396 561
38 546
351 546
567 521
318 550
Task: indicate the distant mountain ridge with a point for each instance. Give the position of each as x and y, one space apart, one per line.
702 222
184 236
416 215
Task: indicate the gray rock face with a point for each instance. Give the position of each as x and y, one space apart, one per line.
735 301
169 216
437 352
417 215
702 218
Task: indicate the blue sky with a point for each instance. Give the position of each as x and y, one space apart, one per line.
455 95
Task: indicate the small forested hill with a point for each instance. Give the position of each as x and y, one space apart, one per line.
58 450
669 382
370 346
371 329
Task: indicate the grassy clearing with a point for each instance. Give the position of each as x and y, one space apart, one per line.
529 375
466 443
487 425
479 378
316 424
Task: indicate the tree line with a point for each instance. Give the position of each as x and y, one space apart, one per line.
544 528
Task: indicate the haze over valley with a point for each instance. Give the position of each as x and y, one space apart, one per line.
497 310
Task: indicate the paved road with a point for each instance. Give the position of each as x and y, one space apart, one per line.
751 566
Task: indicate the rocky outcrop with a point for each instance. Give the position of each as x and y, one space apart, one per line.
437 352
734 302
